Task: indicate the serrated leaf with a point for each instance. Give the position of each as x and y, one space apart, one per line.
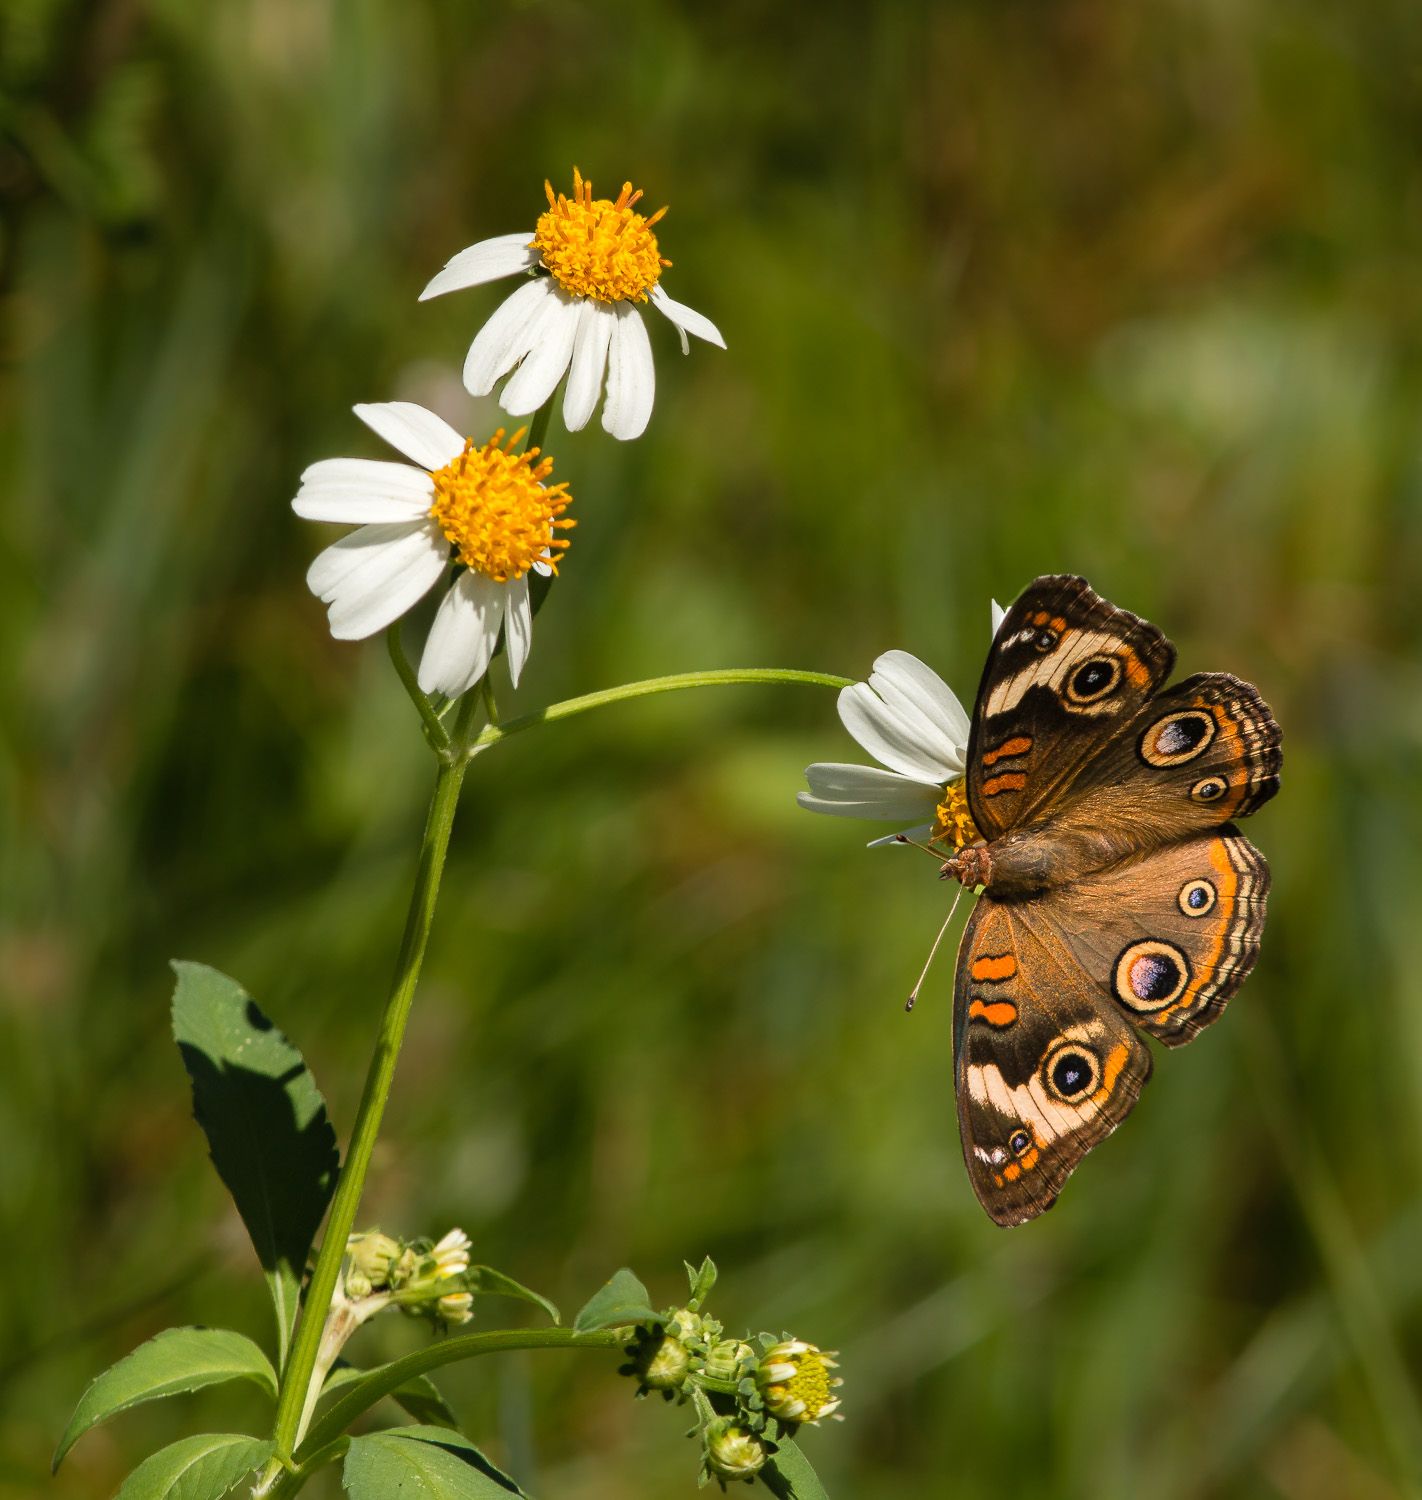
177 1360
265 1122
422 1463
494 1283
622 1299
789 1475
196 1468
420 1396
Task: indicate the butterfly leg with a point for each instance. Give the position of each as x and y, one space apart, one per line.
971 866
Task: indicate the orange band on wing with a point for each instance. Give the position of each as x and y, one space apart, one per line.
1009 781
1019 746
994 967
999 1013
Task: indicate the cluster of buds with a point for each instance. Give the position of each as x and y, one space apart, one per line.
416 1276
745 1401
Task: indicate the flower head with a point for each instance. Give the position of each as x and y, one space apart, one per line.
795 1383
600 258
909 719
485 507
732 1452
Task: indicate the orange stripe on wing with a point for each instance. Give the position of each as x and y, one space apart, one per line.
999 1013
1009 781
1019 746
993 967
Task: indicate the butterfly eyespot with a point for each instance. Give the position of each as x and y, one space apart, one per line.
1046 640
1173 740
1197 898
1093 679
1071 1072
1019 1142
1152 974
1211 789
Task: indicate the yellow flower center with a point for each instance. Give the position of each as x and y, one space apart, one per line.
954 823
598 248
810 1383
491 504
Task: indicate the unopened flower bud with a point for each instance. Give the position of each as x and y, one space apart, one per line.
732 1452
662 1362
451 1255
795 1382
372 1256
455 1307
726 1358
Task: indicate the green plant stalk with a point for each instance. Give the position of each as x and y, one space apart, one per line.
379 1383
720 677
433 848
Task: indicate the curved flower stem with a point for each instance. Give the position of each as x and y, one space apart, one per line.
435 731
433 848
538 428
721 677
364 1394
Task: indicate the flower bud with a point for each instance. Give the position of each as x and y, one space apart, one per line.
795 1382
661 1361
726 1358
451 1255
455 1307
732 1452
372 1256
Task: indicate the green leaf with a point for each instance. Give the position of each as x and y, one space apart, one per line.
179 1359
790 1476
196 1468
701 1282
265 1122
623 1299
419 1396
494 1283
422 1463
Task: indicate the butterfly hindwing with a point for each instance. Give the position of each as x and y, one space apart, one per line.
1066 669
1046 1065
1171 937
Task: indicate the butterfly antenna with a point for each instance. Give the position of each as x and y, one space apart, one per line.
934 948
903 838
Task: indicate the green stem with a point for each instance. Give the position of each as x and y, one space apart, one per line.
379 1383
435 731
433 848
538 428
721 677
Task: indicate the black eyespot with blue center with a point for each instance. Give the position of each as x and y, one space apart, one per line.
1093 679
1019 1142
1071 1071
1197 897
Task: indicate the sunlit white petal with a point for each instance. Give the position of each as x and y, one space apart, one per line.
503 340
687 318
631 376
596 321
418 433
375 574
999 614
550 346
461 640
907 744
916 692
518 626
505 255
357 491
849 791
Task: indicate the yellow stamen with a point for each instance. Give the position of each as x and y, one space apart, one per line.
598 248
954 823
498 516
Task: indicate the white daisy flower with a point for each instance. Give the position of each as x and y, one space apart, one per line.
910 721
602 259
483 507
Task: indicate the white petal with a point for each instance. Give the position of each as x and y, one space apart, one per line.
924 692
357 491
505 255
550 347
461 640
374 575
907 743
631 376
999 614
918 833
416 432
867 792
518 626
687 318
500 343
596 321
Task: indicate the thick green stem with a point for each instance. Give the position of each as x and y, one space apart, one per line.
538 428
727 677
304 1349
379 1383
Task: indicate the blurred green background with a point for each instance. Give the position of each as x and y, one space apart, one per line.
1009 287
